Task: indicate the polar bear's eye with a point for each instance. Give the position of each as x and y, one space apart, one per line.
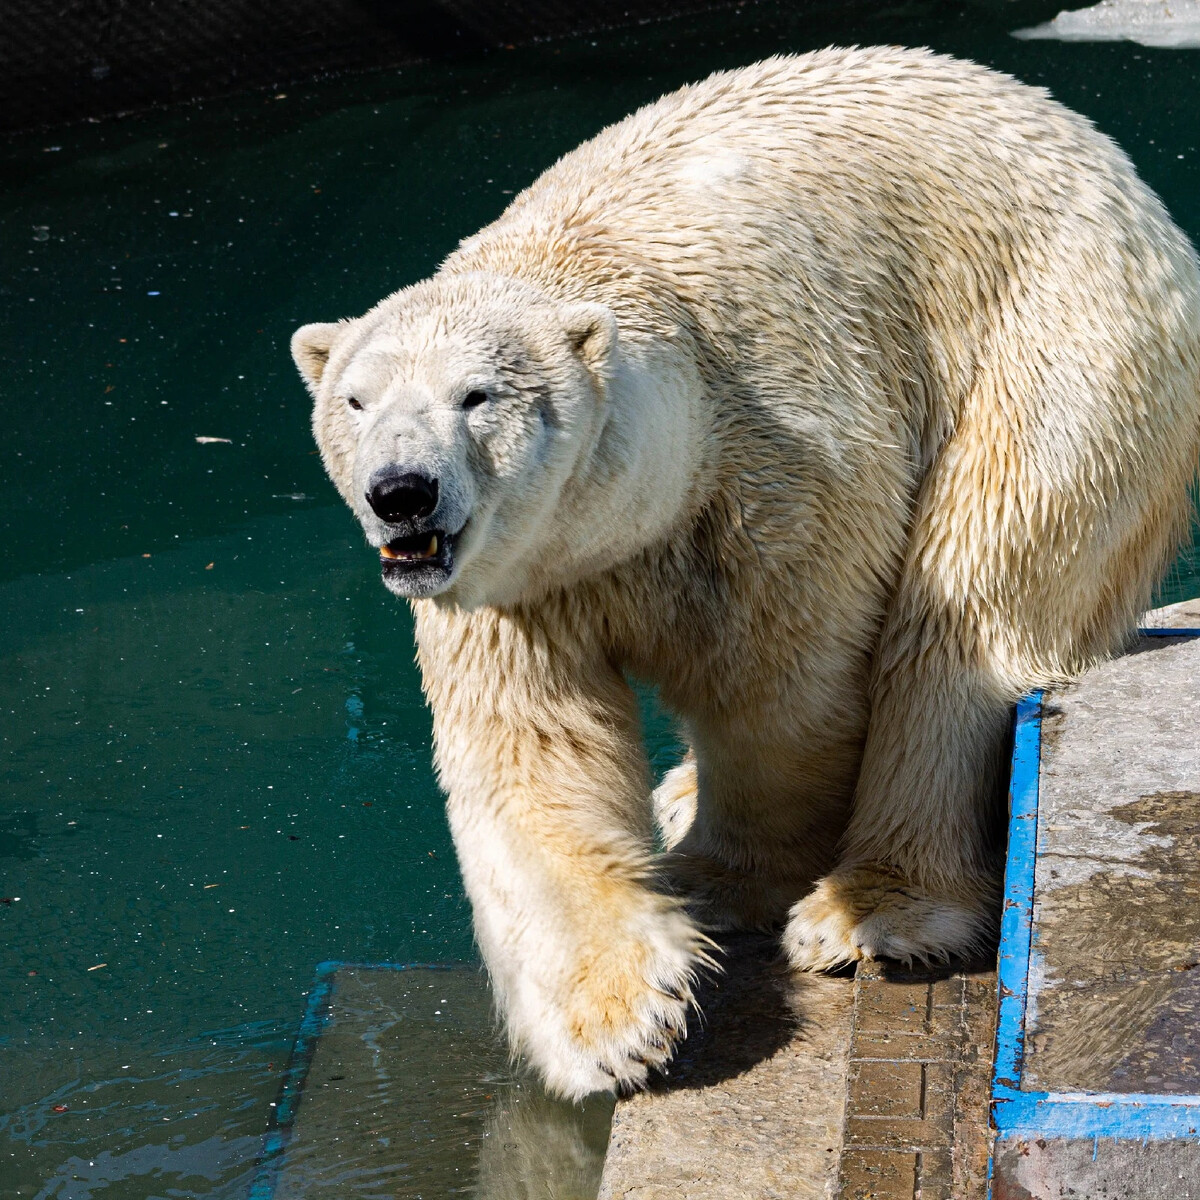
354 404
474 399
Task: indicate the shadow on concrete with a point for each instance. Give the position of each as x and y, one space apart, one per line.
748 1012
757 1005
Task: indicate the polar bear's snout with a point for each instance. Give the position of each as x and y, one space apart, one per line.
403 499
397 495
417 534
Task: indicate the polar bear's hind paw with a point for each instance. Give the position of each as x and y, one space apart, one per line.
873 912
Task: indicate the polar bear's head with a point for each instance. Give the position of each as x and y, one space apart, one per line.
451 418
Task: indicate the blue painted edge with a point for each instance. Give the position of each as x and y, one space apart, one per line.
312 1025
1016 920
1153 1117
1017 1113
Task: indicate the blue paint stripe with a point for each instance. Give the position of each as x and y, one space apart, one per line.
312 1025
1017 1113
1097 1115
1016 922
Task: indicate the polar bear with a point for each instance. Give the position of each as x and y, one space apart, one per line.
844 397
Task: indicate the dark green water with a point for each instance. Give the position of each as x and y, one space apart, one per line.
215 757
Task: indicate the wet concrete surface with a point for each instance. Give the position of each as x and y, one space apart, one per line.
796 1086
1114 999
1114 985
1103 1169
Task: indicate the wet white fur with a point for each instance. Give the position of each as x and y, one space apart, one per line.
845 397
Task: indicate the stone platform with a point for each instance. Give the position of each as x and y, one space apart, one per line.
1097 1090
870 1086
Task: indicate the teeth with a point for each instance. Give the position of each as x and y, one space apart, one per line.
430 551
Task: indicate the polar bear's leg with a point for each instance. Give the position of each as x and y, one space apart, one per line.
918 874
538 747
1034 545
752 817
918 871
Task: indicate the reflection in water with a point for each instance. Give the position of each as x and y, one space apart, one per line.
407 1091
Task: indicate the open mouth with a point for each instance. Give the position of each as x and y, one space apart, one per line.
421 547
420 564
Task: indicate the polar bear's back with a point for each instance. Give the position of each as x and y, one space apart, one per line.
834 117
887 222
883 139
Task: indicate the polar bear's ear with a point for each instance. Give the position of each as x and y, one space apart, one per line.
311 345
592 332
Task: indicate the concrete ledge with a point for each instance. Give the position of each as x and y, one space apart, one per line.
808 1086
754 1104
1097 1088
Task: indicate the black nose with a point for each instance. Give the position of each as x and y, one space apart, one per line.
397 495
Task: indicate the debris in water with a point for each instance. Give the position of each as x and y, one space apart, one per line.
208 441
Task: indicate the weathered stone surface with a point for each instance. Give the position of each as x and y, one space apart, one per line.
754 1105
1114 999
1107 1169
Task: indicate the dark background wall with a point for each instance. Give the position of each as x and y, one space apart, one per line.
62 60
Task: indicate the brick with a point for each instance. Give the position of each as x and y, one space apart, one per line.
935 1175
886 1089
878 1175
914 1047
883 1006
947 993
898 1133
946 1025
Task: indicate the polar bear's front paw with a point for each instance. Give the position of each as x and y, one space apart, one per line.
621 1013
873 912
